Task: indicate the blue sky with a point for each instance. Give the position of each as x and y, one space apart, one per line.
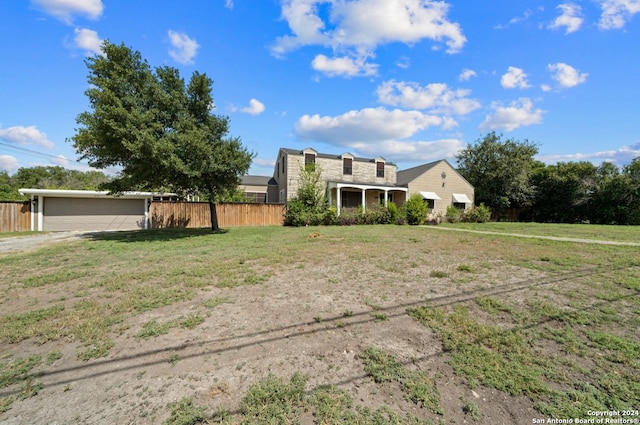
409 80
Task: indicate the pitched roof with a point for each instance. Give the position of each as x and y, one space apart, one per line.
405 176
330 156
410 174
257 180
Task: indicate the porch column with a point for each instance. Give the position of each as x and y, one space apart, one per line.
386 198
338 201
364 199
40 212
33 213
147 203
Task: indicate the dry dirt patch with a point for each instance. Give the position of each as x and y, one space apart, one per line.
314 314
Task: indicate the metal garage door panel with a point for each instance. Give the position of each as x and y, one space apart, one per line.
93 214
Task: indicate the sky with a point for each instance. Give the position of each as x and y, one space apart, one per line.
412 81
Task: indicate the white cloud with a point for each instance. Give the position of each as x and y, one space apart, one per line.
466 74
184 49
359 26
616 13
345 66
570 19
66 9
517 19
264 162
566 75
9 164
368 23
408 150
437 97
404 62
88 40
60 160
620 156
514 78
255 107
26 136
519 113
228 4
372 22
365 126
306 25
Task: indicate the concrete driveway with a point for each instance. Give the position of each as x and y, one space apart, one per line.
37 240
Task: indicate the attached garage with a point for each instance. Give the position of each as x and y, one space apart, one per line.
69 210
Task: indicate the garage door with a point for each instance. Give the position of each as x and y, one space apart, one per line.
93 214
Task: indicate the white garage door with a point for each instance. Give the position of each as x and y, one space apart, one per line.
93 214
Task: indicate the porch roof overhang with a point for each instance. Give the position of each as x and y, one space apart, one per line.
430 195
365 186
58 193
461 198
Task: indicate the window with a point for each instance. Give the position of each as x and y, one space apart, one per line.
431 203
460 205
350 199
309 161
389 197
379 169
283 162
347 166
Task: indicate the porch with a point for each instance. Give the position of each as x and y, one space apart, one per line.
353 195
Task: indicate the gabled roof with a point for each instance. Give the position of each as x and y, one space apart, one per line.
300 152
410 174
257 181
404 177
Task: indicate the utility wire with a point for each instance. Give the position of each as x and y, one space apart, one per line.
111 171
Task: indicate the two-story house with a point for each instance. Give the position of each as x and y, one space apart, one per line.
353 181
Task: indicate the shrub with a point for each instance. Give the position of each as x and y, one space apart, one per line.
479 214
393 212
416 209
452 214
300 214
330 216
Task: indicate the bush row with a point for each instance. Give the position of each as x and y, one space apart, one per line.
414 212
479 214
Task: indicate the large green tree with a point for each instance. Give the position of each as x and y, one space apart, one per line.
565 191
160 131
499 170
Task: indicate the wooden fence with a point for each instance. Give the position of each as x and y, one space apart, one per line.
197 214
15 216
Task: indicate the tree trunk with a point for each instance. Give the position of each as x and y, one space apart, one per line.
214 217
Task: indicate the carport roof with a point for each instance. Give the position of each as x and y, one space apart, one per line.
84 194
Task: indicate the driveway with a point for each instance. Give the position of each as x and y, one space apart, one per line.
37 240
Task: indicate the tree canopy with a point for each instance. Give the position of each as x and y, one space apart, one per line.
499 170
48 177
160 131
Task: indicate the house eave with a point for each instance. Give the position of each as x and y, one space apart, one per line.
57 193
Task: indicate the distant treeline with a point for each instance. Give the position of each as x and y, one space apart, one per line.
49 177
505 176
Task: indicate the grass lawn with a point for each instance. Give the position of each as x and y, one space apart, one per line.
551 325
578 231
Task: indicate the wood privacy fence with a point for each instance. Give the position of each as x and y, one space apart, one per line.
15 216
197 214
